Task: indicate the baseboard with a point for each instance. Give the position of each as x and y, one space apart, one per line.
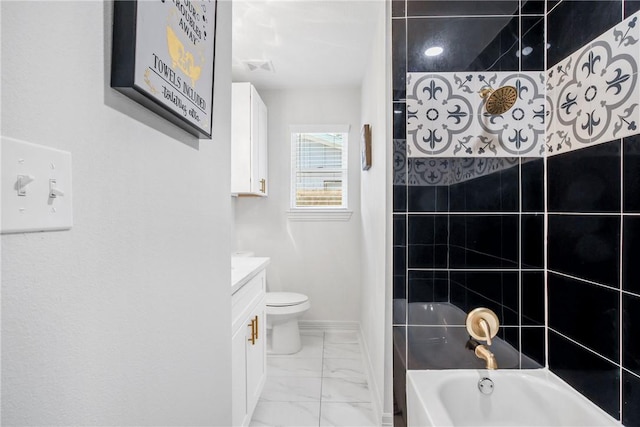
328 325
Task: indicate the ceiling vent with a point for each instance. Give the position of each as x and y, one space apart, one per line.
253 66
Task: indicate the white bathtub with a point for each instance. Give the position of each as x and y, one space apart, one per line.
533 397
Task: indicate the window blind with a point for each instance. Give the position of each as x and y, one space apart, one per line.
319 170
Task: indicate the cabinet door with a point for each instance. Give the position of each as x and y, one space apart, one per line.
258 144
262 148
239 377
256 359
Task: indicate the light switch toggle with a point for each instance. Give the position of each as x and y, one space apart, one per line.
54 191
21 184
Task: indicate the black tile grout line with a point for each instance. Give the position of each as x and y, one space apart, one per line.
628 372
515 15
415 325
591 282
462 270
520 249
556 5
584 347
621 283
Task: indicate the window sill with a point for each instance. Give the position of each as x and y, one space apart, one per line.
319 214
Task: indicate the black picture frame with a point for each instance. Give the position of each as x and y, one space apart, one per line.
180 64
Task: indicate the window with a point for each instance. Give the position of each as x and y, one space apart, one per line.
319 168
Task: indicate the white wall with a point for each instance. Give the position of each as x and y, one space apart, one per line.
376 218
125 319
319 259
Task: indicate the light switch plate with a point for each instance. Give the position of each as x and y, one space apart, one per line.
35 210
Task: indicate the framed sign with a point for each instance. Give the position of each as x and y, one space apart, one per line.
365 148
163 58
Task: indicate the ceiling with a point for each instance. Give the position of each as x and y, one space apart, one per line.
308 43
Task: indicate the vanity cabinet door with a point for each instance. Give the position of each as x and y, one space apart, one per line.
256 359
248 348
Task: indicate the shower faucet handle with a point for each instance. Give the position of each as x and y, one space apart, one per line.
482 324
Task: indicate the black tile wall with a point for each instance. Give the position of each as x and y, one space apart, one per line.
532 7
427 241
532 54
585 246
501 53
532 241
399 58
631 174
592 319
460 49
398 8
461 8
399 120
532 172
595 377
483 241
631 399
631 7
495 192
533 298
533 346
498 291
631 254
586 180
423 198
631 333
574 23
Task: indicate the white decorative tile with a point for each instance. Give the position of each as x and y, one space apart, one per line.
342 351
347 414
294 367
599 99
345 390
345 337
343 368
291 389
286 414
446 116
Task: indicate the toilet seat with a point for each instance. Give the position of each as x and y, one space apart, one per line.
285 299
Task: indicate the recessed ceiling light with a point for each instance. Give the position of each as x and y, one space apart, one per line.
434 51
527 50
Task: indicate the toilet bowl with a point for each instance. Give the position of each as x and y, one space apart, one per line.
283 310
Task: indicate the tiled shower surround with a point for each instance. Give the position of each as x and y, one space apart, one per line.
469 227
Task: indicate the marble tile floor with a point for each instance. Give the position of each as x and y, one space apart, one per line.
324 384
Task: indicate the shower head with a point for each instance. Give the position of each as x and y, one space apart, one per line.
499 101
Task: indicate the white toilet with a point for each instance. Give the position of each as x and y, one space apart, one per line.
283 311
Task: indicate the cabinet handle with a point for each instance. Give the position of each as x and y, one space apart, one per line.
263 185
257 328
253 332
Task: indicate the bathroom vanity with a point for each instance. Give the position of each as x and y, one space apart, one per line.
249 335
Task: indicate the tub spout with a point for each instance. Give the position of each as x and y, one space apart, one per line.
484 353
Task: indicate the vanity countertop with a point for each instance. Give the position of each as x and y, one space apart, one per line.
243 269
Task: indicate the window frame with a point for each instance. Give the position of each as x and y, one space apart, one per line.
319 213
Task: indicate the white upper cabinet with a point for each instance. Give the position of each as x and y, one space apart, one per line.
248 142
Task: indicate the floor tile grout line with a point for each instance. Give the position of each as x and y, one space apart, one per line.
324 337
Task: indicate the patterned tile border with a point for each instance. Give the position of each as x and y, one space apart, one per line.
446 116
593 95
